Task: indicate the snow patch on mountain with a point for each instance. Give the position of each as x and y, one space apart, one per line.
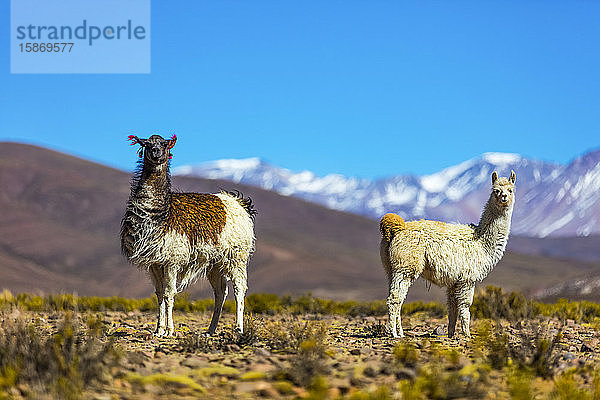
552 199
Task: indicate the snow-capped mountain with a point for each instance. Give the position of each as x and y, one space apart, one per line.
552 199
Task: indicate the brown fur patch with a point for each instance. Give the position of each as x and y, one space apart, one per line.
390 224
199 216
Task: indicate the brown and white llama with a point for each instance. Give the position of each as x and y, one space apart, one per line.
451 255
179 237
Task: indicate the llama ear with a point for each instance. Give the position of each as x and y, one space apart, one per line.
494 177
172 141
513 177
135 140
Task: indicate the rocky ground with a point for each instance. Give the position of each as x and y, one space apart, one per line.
309 356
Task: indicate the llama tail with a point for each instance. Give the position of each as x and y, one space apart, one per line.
391 224
245 202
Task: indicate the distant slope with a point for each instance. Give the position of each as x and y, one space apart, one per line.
582 288
552 199
60 223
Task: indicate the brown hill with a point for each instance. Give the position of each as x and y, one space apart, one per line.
60 221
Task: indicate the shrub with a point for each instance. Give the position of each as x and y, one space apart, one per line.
491 343
289 337
494 303
310 359
406 354
202 343
60 364
263 303
580 311
378 329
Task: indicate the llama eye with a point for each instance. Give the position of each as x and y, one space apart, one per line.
509 190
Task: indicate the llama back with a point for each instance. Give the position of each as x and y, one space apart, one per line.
199 216
238 233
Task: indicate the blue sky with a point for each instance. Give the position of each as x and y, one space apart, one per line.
362 88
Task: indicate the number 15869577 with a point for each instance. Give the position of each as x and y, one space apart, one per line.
46 47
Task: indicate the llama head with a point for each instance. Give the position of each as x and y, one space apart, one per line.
503 189
155 149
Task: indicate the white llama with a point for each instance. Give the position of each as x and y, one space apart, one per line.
451 255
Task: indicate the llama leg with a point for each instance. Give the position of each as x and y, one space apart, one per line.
156 274
452 310
240 286
169 295
398 290
465 299
219 285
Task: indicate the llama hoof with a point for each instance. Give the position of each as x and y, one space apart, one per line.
161 332
207 334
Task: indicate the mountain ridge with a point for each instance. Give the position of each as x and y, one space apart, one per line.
552 199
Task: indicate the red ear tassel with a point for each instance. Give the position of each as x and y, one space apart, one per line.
172 141
133 139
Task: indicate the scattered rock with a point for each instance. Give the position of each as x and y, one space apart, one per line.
406 373
589 346
261 388
439 331
231 348
365 351
102 397
260 352
343 384
262 367
520 325
194 362
371 369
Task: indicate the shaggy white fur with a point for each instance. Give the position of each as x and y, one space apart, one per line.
451 255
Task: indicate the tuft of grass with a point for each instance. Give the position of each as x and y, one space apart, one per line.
566 388
491 343
61 364
288 337
519 384
194 342
252 330
311 352
378 329
284 387
381 393
216 370
253 376
317 389
165 381
406 354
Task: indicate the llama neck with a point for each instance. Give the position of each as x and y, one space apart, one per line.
493 229
151 190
